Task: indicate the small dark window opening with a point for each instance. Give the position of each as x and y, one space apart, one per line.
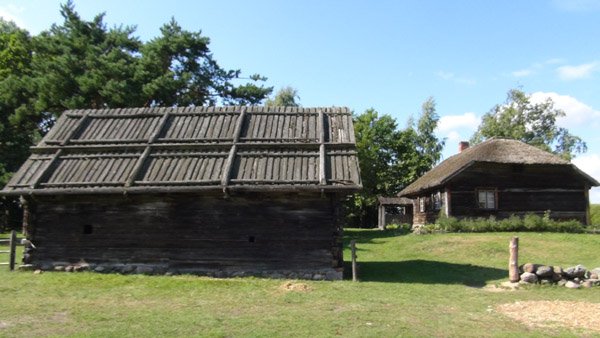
251 239
88 229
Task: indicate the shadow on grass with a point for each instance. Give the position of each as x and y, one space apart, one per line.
425 272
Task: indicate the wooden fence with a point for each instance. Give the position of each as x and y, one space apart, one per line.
12 246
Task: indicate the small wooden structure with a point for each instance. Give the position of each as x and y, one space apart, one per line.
394 210
208 190
500 178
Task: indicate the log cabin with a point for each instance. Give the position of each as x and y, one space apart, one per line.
222 191
500 178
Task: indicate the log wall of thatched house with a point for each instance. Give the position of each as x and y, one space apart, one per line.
501 178
210 190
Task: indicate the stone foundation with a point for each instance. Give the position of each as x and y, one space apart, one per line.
164 269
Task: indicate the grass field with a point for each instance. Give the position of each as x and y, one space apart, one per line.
428 285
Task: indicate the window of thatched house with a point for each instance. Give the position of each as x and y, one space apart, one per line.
422 204
486 199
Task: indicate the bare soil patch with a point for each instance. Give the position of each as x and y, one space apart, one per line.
291 286
581 316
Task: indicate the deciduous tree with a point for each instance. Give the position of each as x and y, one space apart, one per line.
533 123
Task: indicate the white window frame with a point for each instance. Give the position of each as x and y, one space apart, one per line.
487 198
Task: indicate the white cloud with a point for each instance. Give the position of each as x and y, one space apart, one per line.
12 13
577 113
582 71
535 68
449 123
448 76
577 5
522 73
590 164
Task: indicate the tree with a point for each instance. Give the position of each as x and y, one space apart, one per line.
390 158
429 147
532 123
84 64
285 97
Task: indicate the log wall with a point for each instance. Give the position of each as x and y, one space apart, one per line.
520 189
253 234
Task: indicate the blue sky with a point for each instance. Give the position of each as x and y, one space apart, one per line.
391 55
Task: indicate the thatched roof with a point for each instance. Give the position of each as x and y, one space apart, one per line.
494 150
193 149
394 200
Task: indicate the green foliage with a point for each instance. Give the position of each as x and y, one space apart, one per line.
84 64
530 222
390 158
595 215
533 124
285 97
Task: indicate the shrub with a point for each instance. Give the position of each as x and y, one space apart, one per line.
530 222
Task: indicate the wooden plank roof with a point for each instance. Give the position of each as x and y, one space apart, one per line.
193 149
494 150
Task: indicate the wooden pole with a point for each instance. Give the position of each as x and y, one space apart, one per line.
513 261
381 217
13 246
354 272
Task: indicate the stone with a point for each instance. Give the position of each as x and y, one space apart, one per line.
596 271
81 267
46 266
572 285
557 270
593 275
529 267
529 277
27 267
556 277
38 272
69 268
575 271
317 276
546 281
587 284
100 268
334 275
144 269
128 268
577 280
59 268
562 282
544 271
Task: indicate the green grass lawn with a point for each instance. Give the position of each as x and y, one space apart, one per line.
428 285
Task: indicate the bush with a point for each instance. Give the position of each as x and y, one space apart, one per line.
531 222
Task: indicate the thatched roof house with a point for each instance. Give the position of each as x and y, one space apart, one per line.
201 189
501 177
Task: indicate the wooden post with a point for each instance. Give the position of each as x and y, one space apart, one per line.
513 262
354 272
381 217
13 246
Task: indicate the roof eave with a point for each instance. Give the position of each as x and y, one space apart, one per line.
347 189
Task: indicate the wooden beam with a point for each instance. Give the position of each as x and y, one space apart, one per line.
322 154
228 167
46 170
142 159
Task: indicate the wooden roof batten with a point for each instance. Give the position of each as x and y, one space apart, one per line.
167 150
322 154
44 172
140 162
232 152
